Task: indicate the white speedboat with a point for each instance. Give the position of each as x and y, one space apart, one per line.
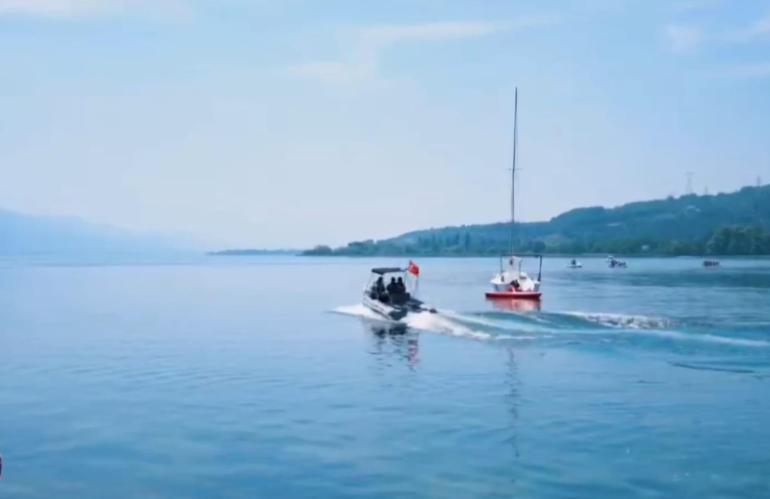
574 264
393 300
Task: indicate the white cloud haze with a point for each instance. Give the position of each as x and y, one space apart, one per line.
195 126
683 39
77 8
361 62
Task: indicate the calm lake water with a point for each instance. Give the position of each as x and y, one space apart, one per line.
261 377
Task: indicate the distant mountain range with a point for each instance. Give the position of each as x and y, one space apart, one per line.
736 223
22 234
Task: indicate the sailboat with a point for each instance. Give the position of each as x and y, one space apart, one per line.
511 281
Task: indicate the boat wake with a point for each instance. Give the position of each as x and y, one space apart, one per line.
450 324
424 321
562 327
624 321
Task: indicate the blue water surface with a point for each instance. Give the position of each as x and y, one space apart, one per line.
263 377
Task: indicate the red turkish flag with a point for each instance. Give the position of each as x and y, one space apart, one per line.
413 269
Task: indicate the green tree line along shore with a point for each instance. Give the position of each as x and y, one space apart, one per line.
736 223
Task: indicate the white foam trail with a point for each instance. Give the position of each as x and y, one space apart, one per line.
623 321
446 322
496 324
429 322
472 319
439 323
424 321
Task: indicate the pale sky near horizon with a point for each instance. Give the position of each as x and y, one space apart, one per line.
286 124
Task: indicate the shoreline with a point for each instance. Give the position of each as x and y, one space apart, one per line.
545 255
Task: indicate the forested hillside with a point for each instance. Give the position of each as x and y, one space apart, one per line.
736 223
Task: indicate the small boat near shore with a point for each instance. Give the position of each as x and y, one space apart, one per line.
574 264
710 263
395 300
615 263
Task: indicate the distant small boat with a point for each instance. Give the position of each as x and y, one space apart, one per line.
574 264
614 263
711 263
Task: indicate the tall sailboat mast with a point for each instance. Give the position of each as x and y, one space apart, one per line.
512 283
513 168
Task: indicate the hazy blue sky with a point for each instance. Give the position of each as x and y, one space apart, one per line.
286 123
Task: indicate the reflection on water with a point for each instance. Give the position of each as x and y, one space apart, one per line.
514 305
382 329
393 341
512 397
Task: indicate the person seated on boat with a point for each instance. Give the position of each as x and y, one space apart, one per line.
392 289
400 295
515 285
378 288
402 287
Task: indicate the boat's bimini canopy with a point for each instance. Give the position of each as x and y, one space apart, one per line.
515 262
387 270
